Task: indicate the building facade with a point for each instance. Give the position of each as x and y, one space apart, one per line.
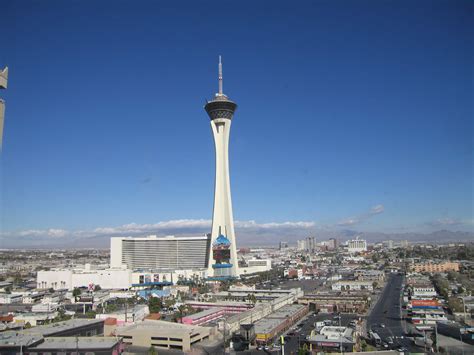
157 253
357 245
432 267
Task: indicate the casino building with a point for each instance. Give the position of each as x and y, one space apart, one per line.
157 253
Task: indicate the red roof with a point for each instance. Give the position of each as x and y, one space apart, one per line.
110 321
7 318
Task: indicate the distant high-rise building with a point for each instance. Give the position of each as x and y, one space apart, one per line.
3 85
357 245
310 244
301 244
283 245
223 262
403 243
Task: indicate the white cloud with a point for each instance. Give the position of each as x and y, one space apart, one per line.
377 209
447 221
177 226
350 221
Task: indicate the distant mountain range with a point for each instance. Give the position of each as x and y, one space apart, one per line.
244 238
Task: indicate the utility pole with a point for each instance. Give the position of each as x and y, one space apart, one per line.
224 335
340 335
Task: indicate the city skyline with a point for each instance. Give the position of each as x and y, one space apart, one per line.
347 123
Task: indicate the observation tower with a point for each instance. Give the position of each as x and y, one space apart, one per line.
223 261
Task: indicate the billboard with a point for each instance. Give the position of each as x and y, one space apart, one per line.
221 254
425 304
327 344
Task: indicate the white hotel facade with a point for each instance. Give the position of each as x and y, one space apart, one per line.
357 245
157 253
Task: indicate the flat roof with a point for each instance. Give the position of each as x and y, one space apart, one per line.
205 313
266 325
16 339
165 328
53 328
286 311
83 343
168 237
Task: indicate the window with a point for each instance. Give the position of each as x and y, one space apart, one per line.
176 339
159 338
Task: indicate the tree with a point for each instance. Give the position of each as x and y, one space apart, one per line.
155 304
303 350
455 304
91 314
182 309
97 288
76 292
152 350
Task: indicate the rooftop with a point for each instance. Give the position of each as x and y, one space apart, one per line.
205 313
10 339
54 328
83 343
162 327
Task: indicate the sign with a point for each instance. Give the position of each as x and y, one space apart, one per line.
221 254
329 344
425 303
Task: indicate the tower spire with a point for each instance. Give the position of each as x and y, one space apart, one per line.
220 77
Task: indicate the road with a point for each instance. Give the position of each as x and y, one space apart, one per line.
295 336
385 318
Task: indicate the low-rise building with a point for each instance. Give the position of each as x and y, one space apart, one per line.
350 285
164 335
423 290
332 339
81 345
435 267
8 298
269 327
328 302
204 317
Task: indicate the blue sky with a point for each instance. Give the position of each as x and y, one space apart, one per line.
352 114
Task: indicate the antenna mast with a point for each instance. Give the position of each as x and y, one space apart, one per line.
220 77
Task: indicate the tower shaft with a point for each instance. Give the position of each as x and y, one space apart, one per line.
222 219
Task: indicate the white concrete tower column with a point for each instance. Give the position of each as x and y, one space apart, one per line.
3 85
223 261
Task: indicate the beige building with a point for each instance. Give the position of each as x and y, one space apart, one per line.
163 335
435 267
